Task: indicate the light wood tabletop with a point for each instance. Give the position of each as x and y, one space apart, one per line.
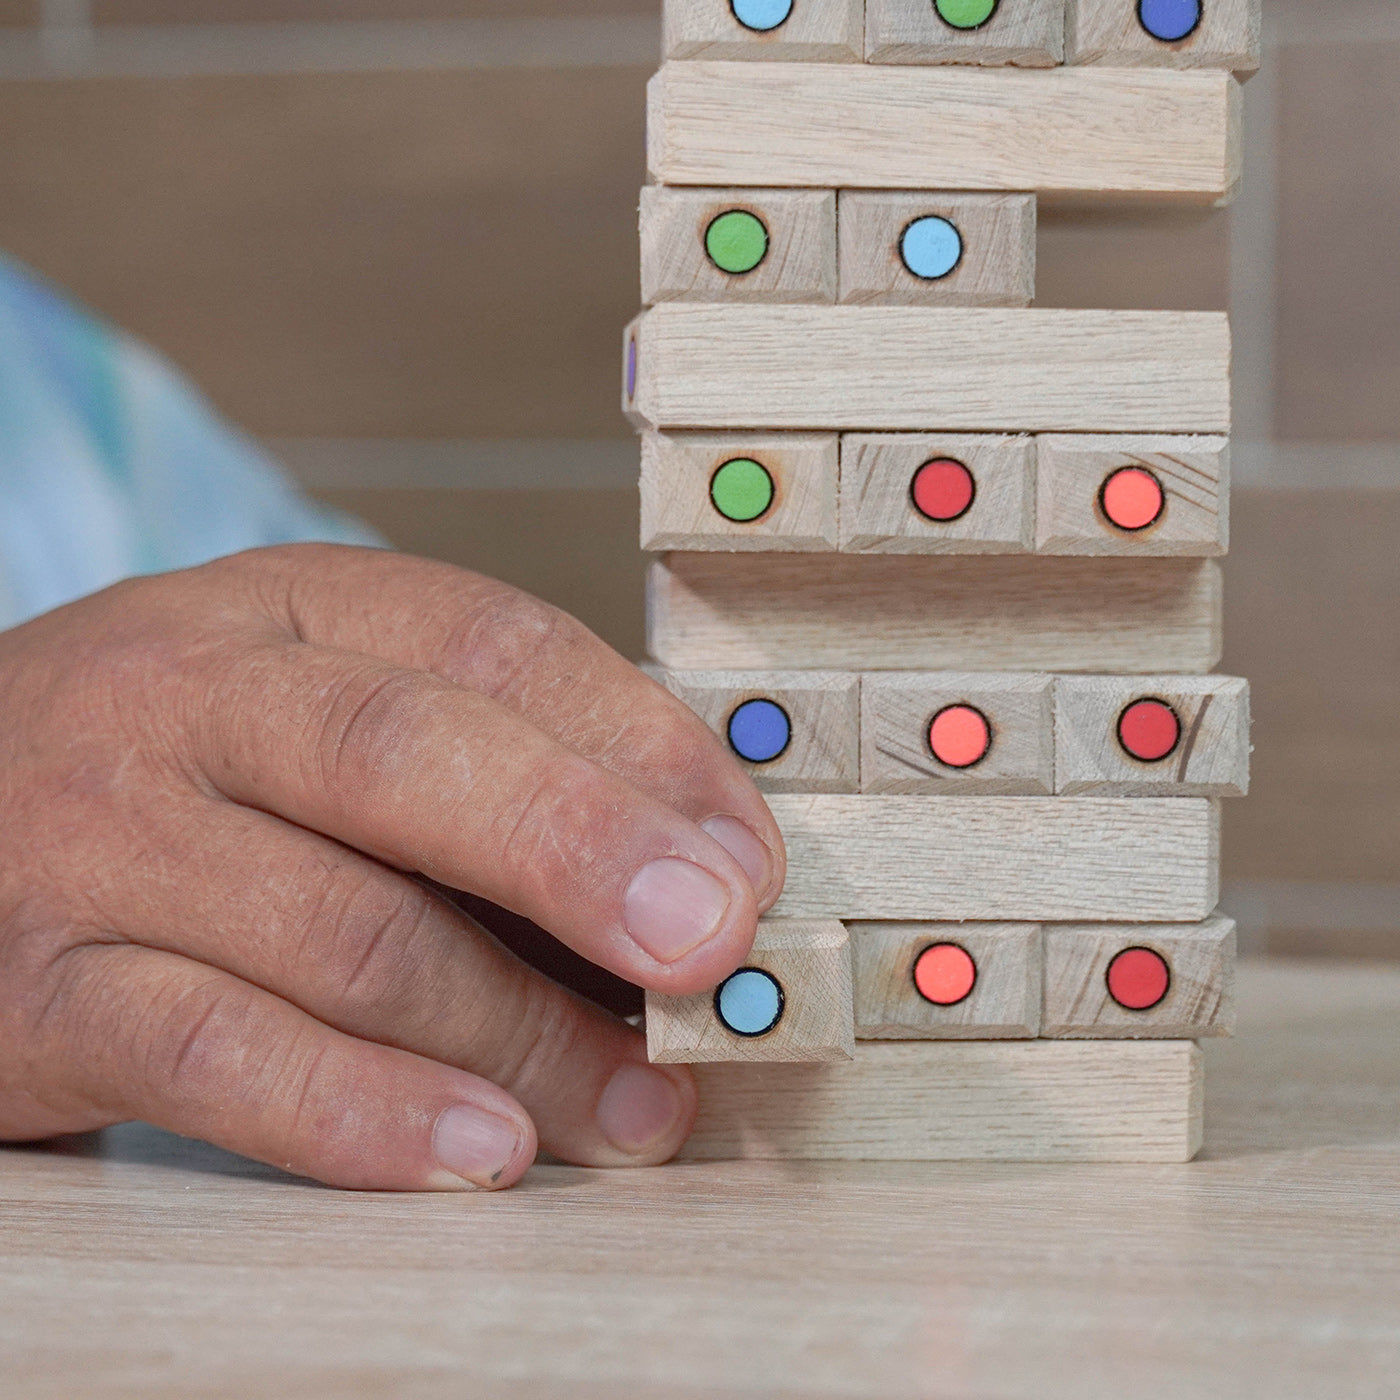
136 1264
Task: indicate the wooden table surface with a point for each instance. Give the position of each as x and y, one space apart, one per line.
136 1264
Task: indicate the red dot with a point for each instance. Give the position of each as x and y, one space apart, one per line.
959 736
945 974
1138 979
1149 730
1133 498
943 489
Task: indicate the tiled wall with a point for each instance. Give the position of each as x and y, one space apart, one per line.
448 254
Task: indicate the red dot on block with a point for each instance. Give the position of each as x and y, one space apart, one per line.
1132 498
945 974
1149 730
943 489
1138 979
960 736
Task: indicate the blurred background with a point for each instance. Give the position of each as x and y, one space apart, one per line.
396 240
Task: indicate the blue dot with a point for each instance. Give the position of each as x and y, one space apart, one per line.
761 14
931 247
759 731
750 1002
1169 20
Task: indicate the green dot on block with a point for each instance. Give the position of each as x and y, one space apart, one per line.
741 490
736 241
965 14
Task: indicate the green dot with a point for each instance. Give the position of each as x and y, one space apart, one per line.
741 490
965 14
736 241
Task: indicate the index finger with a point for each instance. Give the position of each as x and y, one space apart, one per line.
541 663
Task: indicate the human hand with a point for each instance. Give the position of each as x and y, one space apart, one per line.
216 789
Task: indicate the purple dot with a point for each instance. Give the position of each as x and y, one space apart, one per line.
631 370
1170 20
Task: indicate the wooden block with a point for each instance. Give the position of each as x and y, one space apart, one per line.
1104 494
917 368
957 733
855 612
974 249
1128 34
1028 1101
816 712
1156 982
790 1002
1026 33
738 245
688 486
946 981
1152 736
1035 859
1071 132
818 31
901 493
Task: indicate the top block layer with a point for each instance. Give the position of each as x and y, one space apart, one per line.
1061 132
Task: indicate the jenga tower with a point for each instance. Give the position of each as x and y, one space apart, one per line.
941 567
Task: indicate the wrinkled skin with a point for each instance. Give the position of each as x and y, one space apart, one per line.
216 790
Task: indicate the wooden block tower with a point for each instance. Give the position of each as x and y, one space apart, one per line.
941 566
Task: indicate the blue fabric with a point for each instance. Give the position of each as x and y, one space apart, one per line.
111 464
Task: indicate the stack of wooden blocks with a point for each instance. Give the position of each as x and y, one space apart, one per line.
942 567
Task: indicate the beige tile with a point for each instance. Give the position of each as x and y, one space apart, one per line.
576 549
428 254
1338 328
238 11
1312 593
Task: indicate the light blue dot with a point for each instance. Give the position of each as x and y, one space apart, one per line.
761 14
1169 20
750 1002
931 247
759 731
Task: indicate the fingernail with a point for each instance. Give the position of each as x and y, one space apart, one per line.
475 1145
673 906
639 1106
741 843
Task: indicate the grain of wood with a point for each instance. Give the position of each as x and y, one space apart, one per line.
1030 34
811 961
679 513
1108 32
1194 473
971 1101
877 512
824 711
1061 132
925 368
897 708
929 613
1200 1000
997 267
818 31
1004 1002
1024 859
799 265
1211 758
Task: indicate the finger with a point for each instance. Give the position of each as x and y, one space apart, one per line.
545 665
377 956
143 1034
438 779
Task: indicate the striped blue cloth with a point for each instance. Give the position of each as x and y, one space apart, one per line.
111 464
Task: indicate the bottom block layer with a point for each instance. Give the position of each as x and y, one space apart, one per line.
930 1101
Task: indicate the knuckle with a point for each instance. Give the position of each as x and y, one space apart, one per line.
364 724
561 828
540 1030
498 648
367 935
